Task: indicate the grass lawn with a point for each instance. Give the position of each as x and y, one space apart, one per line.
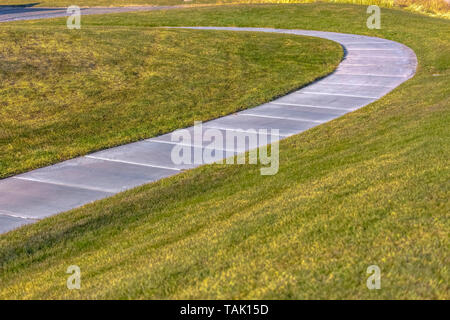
64 94
371 187
429 7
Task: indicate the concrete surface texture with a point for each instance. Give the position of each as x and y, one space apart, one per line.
372 67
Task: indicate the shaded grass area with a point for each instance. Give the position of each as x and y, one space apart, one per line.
368 188
430 7
64 94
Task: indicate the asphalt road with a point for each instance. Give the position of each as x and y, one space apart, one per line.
14 13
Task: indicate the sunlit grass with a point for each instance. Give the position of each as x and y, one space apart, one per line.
368 188
65 93
440 8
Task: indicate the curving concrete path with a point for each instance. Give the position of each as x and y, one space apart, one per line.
372 67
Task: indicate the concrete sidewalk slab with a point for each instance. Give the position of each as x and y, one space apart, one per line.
8 223
144 153
99 175
196 139
241 121
360 90
294 112
326 100
37 200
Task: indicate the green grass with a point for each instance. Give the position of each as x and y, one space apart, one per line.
431 7
368 188
428 7
64 94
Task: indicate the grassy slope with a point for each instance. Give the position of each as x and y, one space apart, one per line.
368 188
429 7
65 93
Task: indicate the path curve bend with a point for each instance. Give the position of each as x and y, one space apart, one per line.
372 67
